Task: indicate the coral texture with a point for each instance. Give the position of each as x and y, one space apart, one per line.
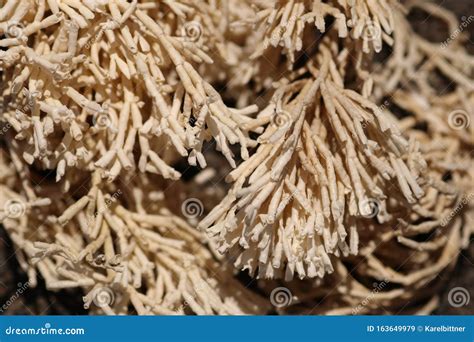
346 168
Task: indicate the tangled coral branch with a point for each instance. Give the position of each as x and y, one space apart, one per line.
333 168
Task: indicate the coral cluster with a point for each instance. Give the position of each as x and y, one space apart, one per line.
345 168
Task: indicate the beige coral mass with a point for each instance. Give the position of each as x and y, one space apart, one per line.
347 135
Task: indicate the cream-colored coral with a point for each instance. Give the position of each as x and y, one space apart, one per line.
328 157
101 101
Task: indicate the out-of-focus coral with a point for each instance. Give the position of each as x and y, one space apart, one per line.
152 260
404 262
